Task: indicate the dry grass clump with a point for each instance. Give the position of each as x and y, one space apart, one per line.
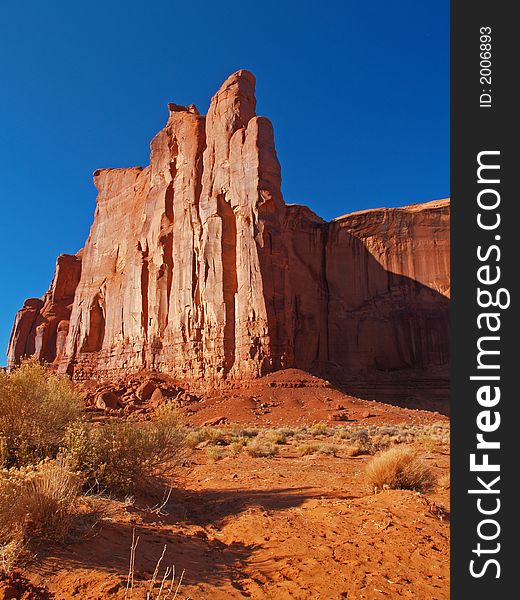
277 436
317 448
444 482
122 456
318 429
236 447
212 435
35 502
215 453
261 447
36 408
399 468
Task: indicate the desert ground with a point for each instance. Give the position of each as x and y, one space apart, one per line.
271 503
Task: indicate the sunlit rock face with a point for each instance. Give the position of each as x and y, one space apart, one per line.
196 267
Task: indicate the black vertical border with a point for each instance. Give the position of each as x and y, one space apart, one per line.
475 129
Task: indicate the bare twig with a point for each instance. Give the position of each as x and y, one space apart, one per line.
158 509
166 575
155 573
179 585
131 568
169 573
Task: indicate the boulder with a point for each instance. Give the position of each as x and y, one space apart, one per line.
157 398
145 390
107 401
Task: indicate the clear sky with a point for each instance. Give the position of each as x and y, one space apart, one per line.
358 92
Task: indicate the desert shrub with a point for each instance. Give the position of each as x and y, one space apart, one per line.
318 429
277 436
316 448
342 433
215 453
380 437
306 449
213 435
260 447
361 443
238 431
286 431
236 447
399 468
328 449
36 501
123 456
356 449
36 408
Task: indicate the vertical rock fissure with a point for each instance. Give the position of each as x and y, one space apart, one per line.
144 293
229 276
168 262
96 330
323 344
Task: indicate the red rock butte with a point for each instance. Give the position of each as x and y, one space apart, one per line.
196 267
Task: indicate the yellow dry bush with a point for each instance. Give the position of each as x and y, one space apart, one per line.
317 448
215 453
36 408
399 468
36 502
318 429
259 447
277 436
211 435
236 447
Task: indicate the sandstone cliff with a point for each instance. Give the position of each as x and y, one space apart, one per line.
196 267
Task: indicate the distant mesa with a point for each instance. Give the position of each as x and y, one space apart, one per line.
196 267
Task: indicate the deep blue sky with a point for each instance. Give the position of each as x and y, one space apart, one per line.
358 93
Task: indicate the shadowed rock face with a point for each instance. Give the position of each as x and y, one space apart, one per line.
195 266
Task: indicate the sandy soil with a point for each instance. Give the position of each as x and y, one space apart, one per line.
283 527
266 528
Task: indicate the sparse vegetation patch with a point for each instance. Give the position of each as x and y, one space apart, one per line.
121 457
36 408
